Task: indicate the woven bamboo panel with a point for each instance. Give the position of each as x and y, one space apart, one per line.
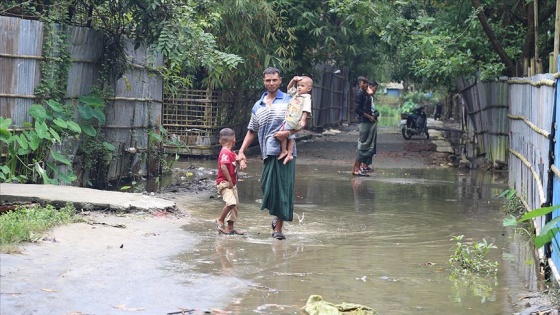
195 117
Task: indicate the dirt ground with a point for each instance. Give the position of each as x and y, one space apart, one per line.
98 262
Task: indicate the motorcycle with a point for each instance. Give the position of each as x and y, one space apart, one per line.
414 123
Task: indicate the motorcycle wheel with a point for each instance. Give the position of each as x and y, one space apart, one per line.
406 134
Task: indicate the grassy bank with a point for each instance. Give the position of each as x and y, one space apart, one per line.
28 224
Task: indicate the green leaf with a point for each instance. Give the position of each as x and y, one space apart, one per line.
43 173
42 130
155 137
89 130
125 187
55 135
33 140
505 192
52 166
5 135
5 122
109 146
542 239
60 158
538 212
61 123
38 112
74 127
510 221
22 141
55 106
22 151
549 226
92 101
67 177
98 113
85 111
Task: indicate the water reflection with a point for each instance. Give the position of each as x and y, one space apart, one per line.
381 241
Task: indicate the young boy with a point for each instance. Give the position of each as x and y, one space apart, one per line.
296 113
226 183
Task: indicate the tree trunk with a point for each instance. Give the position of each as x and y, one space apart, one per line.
529 36
556 37
506 60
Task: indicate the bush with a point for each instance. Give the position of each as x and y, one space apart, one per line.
407 107
385 110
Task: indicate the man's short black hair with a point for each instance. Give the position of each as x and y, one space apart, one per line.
372 83
363 79
271 70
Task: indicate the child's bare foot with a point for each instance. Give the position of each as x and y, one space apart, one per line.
288 158
282 155
220 224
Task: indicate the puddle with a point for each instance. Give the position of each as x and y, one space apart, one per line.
381 241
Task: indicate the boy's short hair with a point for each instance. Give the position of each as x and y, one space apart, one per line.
372 83
307 80
363 79
226 134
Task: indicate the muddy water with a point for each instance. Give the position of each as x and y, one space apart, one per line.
381 241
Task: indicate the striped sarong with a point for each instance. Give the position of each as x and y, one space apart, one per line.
277 184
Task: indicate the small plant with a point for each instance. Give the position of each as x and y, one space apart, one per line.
133 186
468 258
28 224
161 139
548 231
512 204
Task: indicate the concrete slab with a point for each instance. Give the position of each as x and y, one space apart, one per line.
82 198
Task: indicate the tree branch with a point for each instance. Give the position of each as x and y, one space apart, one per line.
506 60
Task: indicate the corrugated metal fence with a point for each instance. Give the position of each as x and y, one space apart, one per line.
135 107
485 109
555 176
531 117
329 98
526 110
133 112
20 56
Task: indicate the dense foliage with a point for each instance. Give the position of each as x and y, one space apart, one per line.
227 43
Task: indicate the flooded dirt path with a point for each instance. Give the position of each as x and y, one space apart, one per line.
381 241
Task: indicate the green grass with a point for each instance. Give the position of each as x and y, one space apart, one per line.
28 224
389 115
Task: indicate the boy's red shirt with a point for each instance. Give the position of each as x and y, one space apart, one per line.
227 157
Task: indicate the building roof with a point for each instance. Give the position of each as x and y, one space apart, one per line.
394 85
